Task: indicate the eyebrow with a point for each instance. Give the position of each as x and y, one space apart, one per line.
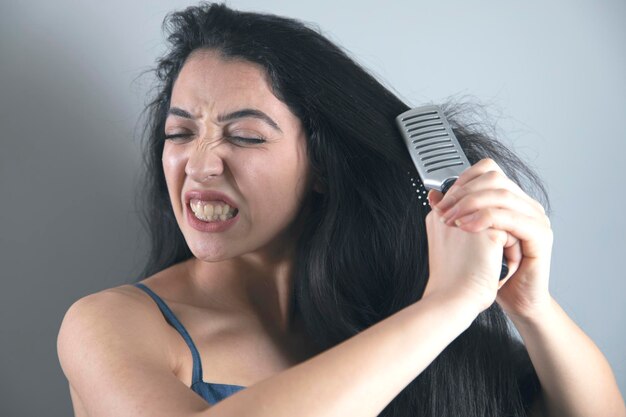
239 114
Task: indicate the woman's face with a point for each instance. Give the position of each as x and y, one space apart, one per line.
266 179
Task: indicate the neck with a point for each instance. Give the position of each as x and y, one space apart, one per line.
253 284
258 284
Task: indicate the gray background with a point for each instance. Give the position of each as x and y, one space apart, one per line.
552 73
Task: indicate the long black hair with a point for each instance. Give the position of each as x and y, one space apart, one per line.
362 255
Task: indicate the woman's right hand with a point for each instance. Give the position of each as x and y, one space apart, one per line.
464 265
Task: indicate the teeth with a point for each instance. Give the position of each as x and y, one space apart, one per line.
212 212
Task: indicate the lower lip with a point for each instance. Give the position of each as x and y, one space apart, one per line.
218 226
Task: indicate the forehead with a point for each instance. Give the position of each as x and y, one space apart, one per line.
206 80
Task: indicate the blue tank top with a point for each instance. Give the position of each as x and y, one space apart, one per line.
211 392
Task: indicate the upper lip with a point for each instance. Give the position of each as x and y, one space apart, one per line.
209 195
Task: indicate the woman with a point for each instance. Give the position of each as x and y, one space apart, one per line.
290 272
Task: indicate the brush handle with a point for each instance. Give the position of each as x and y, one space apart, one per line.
505 267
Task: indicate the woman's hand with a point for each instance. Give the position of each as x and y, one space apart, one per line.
463 265
484 198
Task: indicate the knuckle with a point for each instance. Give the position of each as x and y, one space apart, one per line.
489 212
497 236
494 176
489 162
504 194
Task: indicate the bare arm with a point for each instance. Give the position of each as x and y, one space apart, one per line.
109 358
109 353
575 377
362 375
114 355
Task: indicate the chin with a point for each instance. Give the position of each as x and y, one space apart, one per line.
209 254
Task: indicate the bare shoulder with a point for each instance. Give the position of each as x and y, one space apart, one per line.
124 312
116 355
124 308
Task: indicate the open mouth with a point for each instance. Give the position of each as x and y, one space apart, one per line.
213 212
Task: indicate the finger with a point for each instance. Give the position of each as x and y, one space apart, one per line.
476 170
434 197
488 180
535 235
513 255
498 198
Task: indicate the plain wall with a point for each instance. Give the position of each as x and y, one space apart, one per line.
552 73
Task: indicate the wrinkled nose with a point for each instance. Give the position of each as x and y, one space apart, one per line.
205 161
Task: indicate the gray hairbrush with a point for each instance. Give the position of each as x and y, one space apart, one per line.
435 150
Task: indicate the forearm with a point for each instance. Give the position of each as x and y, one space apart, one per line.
361 375
575 376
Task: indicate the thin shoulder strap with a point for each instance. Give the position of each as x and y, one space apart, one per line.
172 320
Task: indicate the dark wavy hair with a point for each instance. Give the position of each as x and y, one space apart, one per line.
362 255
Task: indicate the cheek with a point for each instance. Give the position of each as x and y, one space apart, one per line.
172 163
275 188
174 171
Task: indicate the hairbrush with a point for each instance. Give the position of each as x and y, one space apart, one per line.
435 151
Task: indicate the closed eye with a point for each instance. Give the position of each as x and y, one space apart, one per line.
177 135
235 138
247 140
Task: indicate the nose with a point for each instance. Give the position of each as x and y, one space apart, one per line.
205 161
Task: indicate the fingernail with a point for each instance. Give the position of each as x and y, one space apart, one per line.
465 219
446 217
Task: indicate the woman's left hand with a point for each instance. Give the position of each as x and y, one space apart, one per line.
484 197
